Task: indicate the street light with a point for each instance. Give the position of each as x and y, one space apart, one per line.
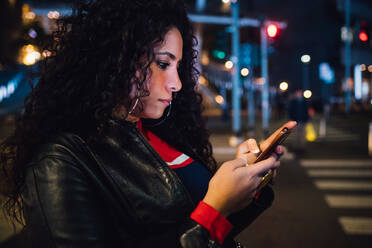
305 58
219 99
244 72
229 64
307 93
283 86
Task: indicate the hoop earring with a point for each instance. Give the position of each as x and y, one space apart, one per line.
150 123
135 104
168 110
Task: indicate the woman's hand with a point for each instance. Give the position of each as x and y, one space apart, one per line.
249 149
234 185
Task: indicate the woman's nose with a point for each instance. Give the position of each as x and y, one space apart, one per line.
175 83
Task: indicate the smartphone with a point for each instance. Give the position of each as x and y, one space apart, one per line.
279 139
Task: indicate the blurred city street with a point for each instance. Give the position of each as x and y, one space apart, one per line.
323 195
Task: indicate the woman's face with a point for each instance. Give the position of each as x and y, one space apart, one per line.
164 79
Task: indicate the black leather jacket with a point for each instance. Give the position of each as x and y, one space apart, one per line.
116 192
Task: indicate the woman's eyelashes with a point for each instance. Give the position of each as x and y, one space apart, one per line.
162 65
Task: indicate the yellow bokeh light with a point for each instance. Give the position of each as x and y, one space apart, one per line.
283 86
310 133
29 55
27 14
30 15
219 99
202 80
244 72
307 93
229 64
31 58
29 48
25 8
205 59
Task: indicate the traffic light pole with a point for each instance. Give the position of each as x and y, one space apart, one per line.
236 23
347 58
250 107
236 69
265 77
200 6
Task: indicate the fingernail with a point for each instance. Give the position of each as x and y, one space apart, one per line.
256 151
279 149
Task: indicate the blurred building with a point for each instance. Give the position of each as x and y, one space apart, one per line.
315 28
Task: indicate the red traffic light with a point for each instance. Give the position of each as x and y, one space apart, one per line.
363 35
272 30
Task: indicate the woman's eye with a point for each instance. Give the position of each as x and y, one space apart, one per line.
162 65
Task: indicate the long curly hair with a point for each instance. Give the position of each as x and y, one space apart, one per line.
96 53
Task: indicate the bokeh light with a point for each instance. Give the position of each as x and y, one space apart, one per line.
283 86
229 64
244 72
219 99
305 58
307 93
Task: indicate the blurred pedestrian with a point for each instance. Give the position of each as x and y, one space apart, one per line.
112 151
298 110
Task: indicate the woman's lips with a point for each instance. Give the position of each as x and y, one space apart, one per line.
165 101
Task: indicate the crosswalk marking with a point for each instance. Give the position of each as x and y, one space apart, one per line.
335 163
326 176
343 185
335 135
339 173
356 225
337 139
349 201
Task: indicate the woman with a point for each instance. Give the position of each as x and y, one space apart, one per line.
112 150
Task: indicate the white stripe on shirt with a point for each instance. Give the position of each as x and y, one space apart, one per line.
179 160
